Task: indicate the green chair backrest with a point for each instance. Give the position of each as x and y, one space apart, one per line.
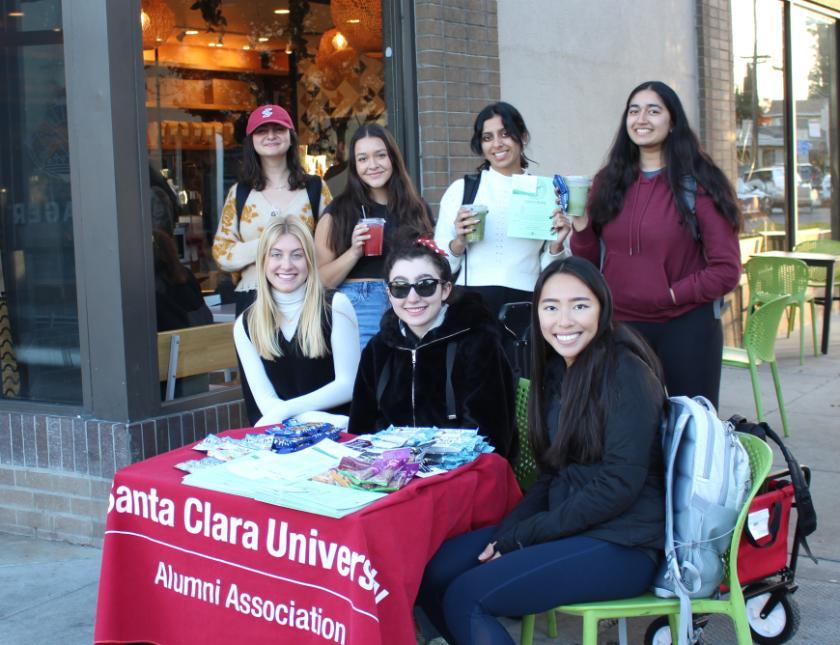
762 328
761 460
832 247
525 467
769 276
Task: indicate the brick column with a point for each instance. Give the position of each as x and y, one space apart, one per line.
715 90
457 74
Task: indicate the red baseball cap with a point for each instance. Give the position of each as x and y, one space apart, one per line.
269 114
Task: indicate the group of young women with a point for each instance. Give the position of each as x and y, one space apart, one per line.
411 337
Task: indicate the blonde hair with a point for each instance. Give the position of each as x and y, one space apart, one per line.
264 316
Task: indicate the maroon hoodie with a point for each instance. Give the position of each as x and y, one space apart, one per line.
648 251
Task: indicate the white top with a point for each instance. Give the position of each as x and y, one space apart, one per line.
498 260
238 252
345 351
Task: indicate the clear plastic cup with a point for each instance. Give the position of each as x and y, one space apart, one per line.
376 230
578 193
479 212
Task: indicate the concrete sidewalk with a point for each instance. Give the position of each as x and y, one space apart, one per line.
48 589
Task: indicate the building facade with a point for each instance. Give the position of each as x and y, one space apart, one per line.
97 108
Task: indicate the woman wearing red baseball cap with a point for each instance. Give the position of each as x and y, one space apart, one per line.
271 184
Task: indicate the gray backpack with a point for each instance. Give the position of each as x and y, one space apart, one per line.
707 480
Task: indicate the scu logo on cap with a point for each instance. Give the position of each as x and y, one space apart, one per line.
267 112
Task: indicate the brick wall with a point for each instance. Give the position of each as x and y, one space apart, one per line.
715 91
56 472
457 74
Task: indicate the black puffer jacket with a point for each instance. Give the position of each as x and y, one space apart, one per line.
619 499
403 381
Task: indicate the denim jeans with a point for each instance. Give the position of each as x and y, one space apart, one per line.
370 300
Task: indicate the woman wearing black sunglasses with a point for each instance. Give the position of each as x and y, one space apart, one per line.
436 361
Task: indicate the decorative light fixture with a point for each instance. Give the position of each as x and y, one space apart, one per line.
15 14
281 12
361 23
335 58
263 39
157 21
191 32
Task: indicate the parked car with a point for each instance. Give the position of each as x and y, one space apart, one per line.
771 180
754 202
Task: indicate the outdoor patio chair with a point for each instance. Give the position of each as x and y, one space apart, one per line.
769 278
816 275
761 458
760 346
525 467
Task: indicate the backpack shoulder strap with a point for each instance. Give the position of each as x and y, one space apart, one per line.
471 183
242 192
313 191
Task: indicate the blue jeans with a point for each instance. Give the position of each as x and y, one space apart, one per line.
462 597
370 300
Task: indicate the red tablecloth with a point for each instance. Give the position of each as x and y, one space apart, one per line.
187 565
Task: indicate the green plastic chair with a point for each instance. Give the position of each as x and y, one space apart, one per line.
770 278
760 346
525 467
761 458
816 275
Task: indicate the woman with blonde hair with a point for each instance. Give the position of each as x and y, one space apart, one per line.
298 345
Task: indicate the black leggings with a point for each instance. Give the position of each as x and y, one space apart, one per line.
690 348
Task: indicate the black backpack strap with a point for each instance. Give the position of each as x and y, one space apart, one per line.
471 183
313 191
242 192
451 412
382 383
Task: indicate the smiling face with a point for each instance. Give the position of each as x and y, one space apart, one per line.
568 313
502 151
271 140
373 165
418 312
286 267
648 120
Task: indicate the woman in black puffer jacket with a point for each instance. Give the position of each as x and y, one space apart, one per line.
436 361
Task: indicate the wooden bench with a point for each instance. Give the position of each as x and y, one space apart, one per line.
194 350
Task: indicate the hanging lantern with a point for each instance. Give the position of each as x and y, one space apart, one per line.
361 23
157 21
335 58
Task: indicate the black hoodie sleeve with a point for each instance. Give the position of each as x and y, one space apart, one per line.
487 392
363 407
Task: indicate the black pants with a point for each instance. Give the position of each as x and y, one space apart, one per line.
690 348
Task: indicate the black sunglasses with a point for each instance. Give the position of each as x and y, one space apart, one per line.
424 288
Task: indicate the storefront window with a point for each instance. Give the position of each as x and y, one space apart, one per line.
814 74
209 64
39 327
759 109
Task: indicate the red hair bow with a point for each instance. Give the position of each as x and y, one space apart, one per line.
430 244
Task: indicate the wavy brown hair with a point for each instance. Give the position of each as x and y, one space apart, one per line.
404 204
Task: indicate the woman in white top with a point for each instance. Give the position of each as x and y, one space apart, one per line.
274 184
501 269
298 346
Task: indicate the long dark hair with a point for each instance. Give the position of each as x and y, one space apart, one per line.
683 157
514 124
404 204
250 168
587 383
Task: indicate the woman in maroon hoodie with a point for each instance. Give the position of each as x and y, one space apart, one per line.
662 222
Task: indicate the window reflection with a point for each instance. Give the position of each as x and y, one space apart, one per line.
759 93
813 72
209 64
39 331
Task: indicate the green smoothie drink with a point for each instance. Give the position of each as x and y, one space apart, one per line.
578 193
479 212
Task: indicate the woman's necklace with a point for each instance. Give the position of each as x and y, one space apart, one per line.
279 189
